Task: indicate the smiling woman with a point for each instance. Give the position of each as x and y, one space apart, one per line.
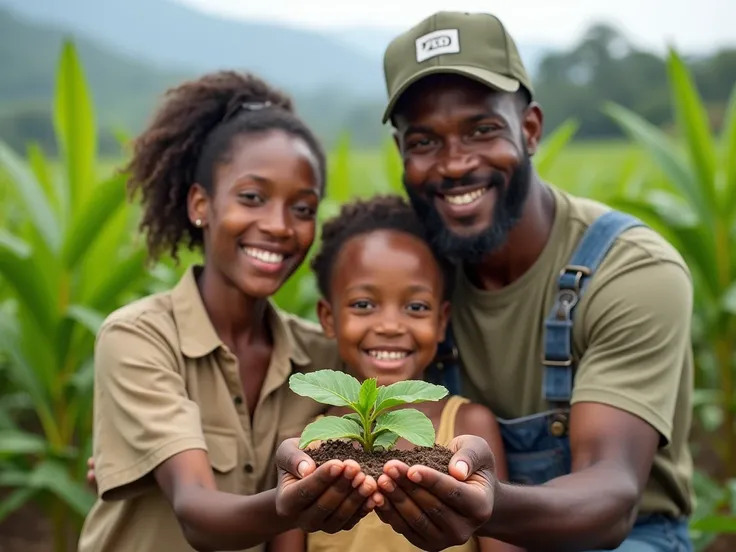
191 391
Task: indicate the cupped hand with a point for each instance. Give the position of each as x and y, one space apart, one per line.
435 511
91 478
329 498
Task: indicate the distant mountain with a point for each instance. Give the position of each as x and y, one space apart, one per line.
123 88
176 36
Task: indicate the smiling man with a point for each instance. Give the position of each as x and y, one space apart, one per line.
572 321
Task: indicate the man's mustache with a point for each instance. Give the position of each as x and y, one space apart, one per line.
494 179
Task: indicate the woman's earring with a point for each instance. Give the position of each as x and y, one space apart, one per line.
198 223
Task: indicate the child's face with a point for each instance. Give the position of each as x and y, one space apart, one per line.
386 308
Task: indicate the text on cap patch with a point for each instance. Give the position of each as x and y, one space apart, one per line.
437 43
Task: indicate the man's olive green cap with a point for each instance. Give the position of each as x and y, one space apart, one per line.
475 45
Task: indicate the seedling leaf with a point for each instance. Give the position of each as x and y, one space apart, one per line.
386 440
406 392
368 395
330 427
410 424
327 387
368 424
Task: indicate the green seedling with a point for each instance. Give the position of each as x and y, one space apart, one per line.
371 422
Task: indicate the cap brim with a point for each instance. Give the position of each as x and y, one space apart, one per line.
489 78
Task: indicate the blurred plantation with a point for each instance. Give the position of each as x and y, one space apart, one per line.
69 254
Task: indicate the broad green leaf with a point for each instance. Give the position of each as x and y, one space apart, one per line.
368 395
106 198
553 145
20 270
327 387
339 181
75 125
728 155
88 318
33 197
125 274
663 151
50 182
51 475
692 120
330 427
408 423
23 375
15 501
386 440
406 392
393 167
20 442
715 524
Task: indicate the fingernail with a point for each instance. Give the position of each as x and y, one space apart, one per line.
302 468
335 471
463 467
394 473
416 477
388 486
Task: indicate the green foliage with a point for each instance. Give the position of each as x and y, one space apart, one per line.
371 422
66 266
67 259
695 208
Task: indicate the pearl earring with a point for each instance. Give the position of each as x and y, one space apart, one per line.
198 223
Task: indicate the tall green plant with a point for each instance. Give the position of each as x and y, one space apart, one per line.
696 209
68 264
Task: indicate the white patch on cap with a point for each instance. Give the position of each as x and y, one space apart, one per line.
437 43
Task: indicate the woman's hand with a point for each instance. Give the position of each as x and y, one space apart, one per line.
91 479
331 498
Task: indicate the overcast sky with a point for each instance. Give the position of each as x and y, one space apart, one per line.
693 25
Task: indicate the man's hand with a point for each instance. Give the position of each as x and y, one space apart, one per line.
331 498
435 511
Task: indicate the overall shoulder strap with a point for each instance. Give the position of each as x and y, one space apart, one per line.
592 249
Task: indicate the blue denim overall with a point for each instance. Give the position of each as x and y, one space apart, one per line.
538 446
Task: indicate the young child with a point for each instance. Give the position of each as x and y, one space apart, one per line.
385 299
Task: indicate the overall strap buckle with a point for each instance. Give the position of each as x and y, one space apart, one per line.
557 356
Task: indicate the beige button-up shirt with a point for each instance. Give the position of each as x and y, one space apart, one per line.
165 383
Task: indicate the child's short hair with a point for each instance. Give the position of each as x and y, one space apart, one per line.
382 212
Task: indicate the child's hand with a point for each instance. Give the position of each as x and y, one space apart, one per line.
91 479
331 498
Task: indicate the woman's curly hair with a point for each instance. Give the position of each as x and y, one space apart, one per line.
189 135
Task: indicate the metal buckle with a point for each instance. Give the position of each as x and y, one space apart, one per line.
579 271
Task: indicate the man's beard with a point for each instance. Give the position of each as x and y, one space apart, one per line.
507 212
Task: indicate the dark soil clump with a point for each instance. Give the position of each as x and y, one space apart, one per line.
437 458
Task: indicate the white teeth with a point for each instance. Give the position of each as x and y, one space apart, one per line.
388 355
464 199
263 255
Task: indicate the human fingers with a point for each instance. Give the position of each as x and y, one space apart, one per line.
390 516
294 495
291 459
353 507
471 454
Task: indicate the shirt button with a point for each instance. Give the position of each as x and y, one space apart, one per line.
238 400
248 467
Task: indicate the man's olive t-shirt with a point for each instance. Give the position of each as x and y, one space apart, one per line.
631 340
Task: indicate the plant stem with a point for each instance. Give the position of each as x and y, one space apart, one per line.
723 354
59 527
367 434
